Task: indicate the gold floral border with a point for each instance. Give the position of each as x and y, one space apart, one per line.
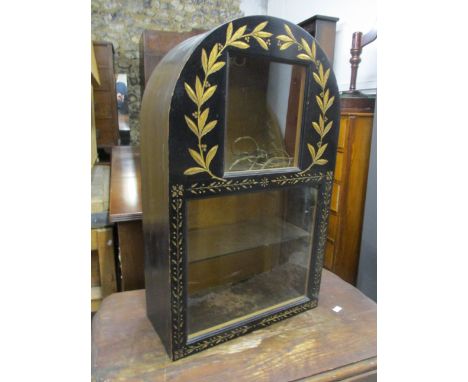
322 234
180 348
177 266
223 337
248 183
201 91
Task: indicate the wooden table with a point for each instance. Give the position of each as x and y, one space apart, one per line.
317 345
126 212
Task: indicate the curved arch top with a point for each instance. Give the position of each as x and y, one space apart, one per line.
194 89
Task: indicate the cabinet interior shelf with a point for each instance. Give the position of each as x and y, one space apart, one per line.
210 242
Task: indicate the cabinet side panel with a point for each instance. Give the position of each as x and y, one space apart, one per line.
155 188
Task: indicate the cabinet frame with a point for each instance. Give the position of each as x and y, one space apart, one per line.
173 174
178 257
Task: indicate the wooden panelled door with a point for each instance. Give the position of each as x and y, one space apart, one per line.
349 188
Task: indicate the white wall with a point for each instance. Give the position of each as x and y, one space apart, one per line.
254 7
355 15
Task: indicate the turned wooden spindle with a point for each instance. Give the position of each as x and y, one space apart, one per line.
356 50
359 42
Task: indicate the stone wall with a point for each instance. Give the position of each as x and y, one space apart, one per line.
121 22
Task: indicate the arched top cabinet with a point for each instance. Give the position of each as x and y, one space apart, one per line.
238 139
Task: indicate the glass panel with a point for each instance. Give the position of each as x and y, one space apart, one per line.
121 90
247 253
264 114
122 101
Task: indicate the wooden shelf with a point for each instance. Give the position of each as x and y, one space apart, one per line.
205 243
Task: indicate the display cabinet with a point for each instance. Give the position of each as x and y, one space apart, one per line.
238 145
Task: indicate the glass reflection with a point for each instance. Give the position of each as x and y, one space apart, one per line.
264 114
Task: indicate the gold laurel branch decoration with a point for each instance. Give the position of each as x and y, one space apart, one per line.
201 91
324 101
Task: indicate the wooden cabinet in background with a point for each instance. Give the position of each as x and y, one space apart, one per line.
125 212
349 187
154 45
105 97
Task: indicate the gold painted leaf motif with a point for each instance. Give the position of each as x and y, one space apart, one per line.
321 161
321 150
261 43
329 104
238 33
194 170
320 103
191 125
213 56
317 79
288 31
198 90
325 79
207 94
306 47
229 32
317 128
210 155
314 49
190 92
263 34
260 26
303 56
197 157
321 74
216 67
204 60
284 38
240 44
209 126
311 150
202 119
286 45
327 129
325 97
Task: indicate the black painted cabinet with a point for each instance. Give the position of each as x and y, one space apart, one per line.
238 146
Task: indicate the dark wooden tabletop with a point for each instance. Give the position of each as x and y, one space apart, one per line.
318 345
125 184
